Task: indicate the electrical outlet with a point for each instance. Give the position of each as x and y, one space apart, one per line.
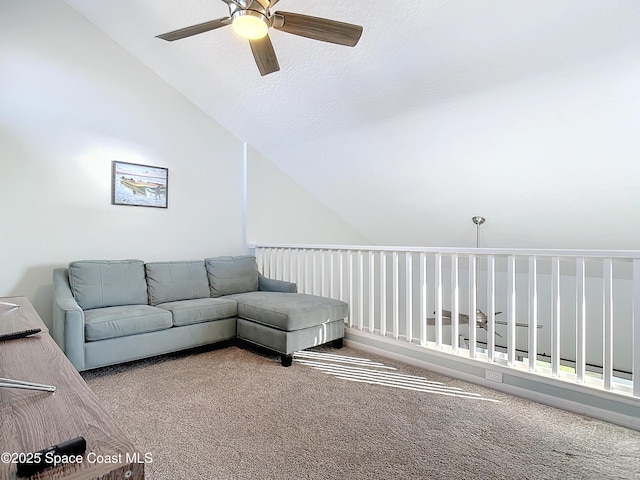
493 376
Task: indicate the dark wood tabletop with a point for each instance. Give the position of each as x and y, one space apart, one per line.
33 420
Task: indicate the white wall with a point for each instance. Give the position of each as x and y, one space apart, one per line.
71 101
551 160
281 211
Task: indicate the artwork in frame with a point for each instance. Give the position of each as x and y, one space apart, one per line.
139 185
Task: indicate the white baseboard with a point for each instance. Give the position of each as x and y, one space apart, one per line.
475 372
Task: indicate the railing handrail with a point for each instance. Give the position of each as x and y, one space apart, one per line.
517 252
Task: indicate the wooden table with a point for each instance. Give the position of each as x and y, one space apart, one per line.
33 420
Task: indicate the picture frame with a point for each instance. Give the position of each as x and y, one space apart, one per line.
138 185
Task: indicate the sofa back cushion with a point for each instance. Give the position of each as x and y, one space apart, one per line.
108 283
174 281
229 275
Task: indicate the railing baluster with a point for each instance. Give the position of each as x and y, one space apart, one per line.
332 280
438 299
314 272
360 289
351 304
423 299
302 270
340 275
293 265
555 316
383 293
533 314
408 287
307 283
511 310
372 299
636 328
304 263
258 254
455 304
491 308
581 320
395 295
300 255
607 351
262 267
266 253
323 273
273 257
287 264
473 306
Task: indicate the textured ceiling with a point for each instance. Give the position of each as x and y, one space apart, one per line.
411 54
414 56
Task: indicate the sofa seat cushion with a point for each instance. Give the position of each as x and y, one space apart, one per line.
112 322
188 312
174 281
288 311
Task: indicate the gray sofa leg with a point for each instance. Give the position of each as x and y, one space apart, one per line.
338 343
286 360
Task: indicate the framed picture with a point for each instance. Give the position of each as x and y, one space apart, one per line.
139 185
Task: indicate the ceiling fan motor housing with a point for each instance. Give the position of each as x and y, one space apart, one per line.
259 6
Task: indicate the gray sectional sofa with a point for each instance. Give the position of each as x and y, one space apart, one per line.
112 311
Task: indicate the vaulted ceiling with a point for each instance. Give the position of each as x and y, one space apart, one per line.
420 121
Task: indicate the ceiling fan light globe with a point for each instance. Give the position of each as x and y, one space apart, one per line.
250 25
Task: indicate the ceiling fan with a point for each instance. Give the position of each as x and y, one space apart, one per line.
252 19
481 320
481 317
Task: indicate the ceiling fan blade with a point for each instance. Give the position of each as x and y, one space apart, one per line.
517 324
445 321
486 327
264 55
195 29
317 28
446 315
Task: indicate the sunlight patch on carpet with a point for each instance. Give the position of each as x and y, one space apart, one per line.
340 359
366 371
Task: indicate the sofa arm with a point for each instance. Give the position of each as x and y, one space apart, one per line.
68 319
270 285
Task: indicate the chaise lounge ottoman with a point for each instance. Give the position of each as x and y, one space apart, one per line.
270 312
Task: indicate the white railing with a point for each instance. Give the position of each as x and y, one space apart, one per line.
573 315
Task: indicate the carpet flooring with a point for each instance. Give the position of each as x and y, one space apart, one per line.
234 413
